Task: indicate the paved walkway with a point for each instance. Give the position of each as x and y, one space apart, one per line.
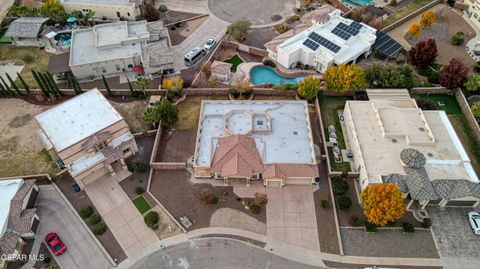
56 216
120 215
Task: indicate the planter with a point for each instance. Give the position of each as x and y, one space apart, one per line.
236 99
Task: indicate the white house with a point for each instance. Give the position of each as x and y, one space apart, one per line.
331 40
106 9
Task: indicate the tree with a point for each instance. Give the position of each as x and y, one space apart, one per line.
25 85
239 29
423 54
151 13
472 84
308 88
40 84
13 85
89 16
382 203
344 78
142 83
151 115
168 113
53 83
476 110
7 88
458 39
54 10
107 87
452 75
427 19
173 84
242 85
132 91
4 90
414 30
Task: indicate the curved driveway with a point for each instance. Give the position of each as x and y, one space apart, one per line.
215 253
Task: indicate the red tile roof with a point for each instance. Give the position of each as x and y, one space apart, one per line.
290 170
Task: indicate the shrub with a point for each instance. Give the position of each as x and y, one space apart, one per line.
173 28
214 200
340 186
370 227
281 28
476 67
47 260
408 227
269 63
163 8
458 39
139 190
424 71
94 219
255 209
260 199
239 199
234 93
99 228
151 218
433 78
137 166
324 204
276 17
344 202
355 221
426 104
179 24
426 223
86 211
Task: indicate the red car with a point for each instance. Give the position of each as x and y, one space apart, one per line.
54 242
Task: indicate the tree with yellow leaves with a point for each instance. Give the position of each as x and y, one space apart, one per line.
344 78
382 203
308 88
427 19
174 84
414 29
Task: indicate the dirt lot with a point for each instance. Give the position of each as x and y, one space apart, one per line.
182 198
176 146
132 112
178 35
189 112
21 153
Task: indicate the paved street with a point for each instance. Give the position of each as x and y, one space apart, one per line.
291 216
215 253
459 247
120 215
56 216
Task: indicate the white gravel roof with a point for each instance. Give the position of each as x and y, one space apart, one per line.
76 119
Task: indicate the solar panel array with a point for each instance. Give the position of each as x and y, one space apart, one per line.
322 41
345 31
386 45
341 34
310 44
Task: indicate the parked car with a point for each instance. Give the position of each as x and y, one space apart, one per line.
474 218
55 243
210 43
194 56
75 187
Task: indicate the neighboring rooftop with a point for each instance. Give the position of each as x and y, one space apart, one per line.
8 190
102 2
390 123
26 27
281 129
76 119
220 67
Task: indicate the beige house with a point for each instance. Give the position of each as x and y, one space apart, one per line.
394 141
247 140
106 9
120 47
88 136
18 218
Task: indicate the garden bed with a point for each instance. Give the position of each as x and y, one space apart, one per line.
141 204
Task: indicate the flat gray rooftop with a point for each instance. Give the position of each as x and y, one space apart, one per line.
100 2
281 129
76 119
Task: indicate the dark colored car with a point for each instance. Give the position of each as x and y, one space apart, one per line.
55 244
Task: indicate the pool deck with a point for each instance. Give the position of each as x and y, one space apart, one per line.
244 69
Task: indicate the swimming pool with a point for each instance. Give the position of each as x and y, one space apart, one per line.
357 3
262 75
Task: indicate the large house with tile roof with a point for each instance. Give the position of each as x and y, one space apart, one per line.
268 141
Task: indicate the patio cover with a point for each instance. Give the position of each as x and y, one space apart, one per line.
59 63
386 45
26 27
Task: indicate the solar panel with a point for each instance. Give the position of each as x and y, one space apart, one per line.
386 45
338 32
310 44
352 29
356 25
324 42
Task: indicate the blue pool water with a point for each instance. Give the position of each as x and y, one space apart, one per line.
261 75
356 3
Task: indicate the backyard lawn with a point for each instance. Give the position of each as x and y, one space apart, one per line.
141 204
329 107
235 61
189 112
451 106
405 10
32 58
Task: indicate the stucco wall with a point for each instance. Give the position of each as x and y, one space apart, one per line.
472 122
109 11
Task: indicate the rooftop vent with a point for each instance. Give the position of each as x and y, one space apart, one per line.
295 132
421 129
430 154
259 122
394 140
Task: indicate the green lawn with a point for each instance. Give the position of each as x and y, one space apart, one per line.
329 107
451 105
405 10
4 39
32 58
141 204
235 61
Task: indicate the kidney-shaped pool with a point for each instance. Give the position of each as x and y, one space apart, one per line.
262 75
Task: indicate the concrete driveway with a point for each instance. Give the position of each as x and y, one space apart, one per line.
120 215
457 245
56 216
291 216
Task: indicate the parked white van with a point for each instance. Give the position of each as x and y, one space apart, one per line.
194 56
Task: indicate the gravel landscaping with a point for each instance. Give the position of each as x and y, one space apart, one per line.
437 31
388 243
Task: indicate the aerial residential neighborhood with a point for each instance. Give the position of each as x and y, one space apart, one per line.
239 134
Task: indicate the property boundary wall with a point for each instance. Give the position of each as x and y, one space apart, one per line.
410 16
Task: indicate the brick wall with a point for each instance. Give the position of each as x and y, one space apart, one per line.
168 166
431 90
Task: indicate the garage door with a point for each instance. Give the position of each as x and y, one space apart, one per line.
460 203
273 183
90 178
298 181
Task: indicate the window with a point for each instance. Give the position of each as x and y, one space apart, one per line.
102 146
128 14
117 66
118 14
104 70
126 151
130 66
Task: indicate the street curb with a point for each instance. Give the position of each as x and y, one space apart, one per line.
84 225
